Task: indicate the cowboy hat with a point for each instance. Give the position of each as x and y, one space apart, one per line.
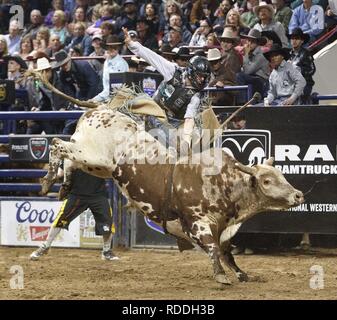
265 5
111 41
229 35
17 59
271 35
97 36
166 49
183 52
255 35
298 33
33 56
61 58
43 64
213 54
277 49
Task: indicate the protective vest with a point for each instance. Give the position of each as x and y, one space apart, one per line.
172 96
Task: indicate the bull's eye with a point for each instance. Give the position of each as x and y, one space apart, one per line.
266 182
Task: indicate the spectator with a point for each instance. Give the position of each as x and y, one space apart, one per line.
128 18
282 13
175 39
145 35
176 21
116 8
249 18
233 18
265 13
55 45
171 7
46 100
220 77
255 68
166 51
3 53
271 38
197 12
199 37
301 58
26 47
151 15
97 64
331 14
36 22
59 28
212 40
86 191
221 12
113 63
57 5
106 15
13 38
79 16
308 17
77 75
182 57
80 40
16 68
40 43
286 83
107 29
230 58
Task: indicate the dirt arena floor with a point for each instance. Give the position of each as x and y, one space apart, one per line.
164 274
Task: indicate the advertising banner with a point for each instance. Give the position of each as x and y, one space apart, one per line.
303 141
27 223
88 238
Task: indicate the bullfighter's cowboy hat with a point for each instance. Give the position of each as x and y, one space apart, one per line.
255 35
61 58
298 33
277 49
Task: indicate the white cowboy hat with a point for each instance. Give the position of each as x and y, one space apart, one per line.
42 64
262 5
213 54
229 35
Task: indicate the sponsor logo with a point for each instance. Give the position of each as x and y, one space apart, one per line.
38 233
153 225
38 147
25 212
250 147
149 86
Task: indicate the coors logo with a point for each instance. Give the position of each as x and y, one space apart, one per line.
250 147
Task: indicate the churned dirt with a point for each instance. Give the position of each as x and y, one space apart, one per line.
164 274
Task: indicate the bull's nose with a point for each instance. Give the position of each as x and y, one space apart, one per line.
299 198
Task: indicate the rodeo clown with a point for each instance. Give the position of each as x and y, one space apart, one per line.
179 94
86 191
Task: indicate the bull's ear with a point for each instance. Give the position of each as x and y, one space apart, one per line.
269 162
245 169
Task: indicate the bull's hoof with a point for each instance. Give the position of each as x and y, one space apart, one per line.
243 277
222 278
44 187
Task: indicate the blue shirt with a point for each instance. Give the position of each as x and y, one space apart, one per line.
310 21
116 64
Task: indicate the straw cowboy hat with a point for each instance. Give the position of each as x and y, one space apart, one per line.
255 35
298 33
229 35
277 49
265 5
61 58
111 41
213 54
43 64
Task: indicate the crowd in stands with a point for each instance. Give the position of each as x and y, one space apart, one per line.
263 44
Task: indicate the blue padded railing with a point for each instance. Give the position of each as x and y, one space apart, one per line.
22 173
317 97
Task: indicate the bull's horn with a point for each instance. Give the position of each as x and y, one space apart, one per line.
269 162
245 169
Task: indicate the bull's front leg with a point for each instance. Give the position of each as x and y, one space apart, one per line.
201 234
229 261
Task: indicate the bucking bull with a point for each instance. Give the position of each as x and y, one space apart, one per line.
198 208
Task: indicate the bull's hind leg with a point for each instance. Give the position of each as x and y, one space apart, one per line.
59 150
201 233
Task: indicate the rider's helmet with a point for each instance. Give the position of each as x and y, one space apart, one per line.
198 71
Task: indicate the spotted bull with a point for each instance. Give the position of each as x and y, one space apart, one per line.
200 209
